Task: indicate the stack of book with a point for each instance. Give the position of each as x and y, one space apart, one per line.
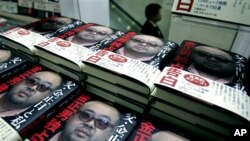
195 88
30 98
22 39
203 89
125 70
87 118
212 109
66 51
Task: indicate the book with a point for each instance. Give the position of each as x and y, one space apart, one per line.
146 48
22 40
124 71
247 77
118 90
150 130
136 69
203 96
31 97
8 23
10 63
72 54
53 26
194 132
118 99
87 118
62 52
63 70
198 120
211 62
91 35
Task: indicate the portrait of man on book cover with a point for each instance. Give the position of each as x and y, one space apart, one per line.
91 35
148 49
211 62
93 121
142 47
28 92
4 55
49 25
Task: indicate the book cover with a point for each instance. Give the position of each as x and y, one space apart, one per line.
22 40
7 24
10 63
124 71
92 35
87 118
31 97
63 52
203 96
148 49
53 25
211 62
149 130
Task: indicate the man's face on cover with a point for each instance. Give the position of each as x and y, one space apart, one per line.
4 55
33 89
94 121
213 60
95 33
53 24
144 44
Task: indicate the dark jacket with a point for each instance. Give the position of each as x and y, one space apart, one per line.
150 29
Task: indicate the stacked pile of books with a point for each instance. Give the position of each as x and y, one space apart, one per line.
125 70
202 88
65 75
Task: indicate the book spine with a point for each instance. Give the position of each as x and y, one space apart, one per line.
25 132
44 132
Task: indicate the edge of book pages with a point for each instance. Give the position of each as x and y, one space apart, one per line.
206 90
122 65
64 49
24 38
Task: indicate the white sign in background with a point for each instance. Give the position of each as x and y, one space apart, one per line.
237 11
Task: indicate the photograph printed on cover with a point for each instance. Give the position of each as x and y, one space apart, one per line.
211 62
51 25
5 55
10 63
85 119
28 92
146 48
91 35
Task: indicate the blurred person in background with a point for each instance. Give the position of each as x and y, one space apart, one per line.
153 15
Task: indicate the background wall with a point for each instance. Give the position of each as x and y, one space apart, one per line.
136 9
